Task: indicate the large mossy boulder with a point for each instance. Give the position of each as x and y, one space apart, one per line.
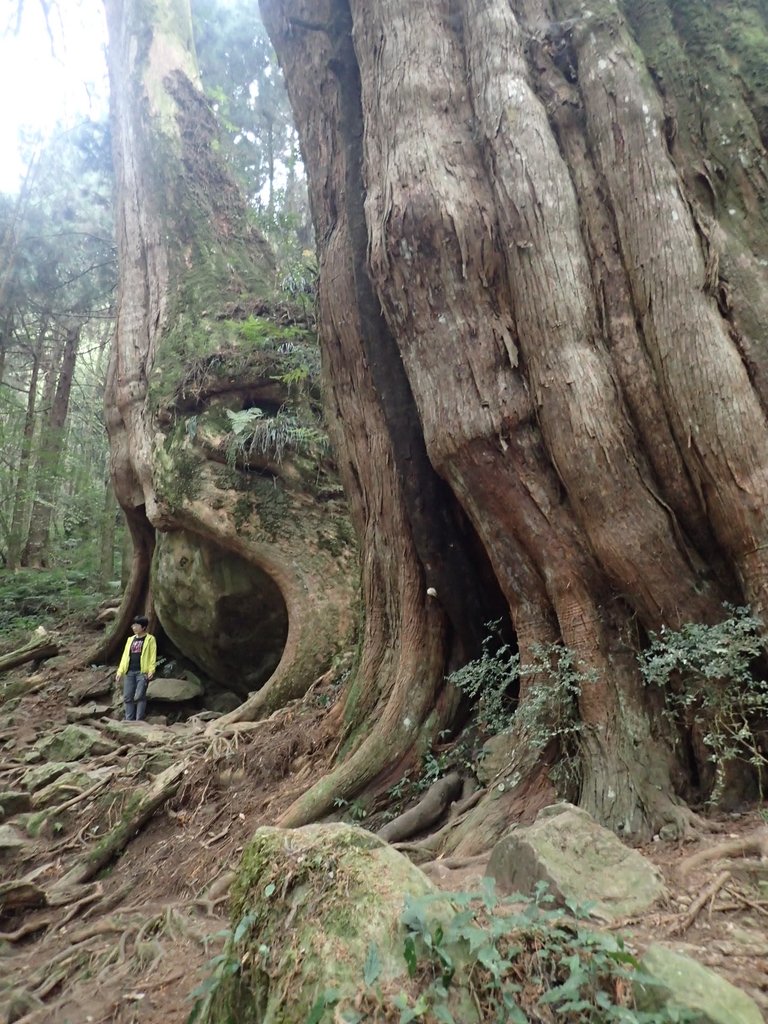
224 613
679 983
313 906
581 862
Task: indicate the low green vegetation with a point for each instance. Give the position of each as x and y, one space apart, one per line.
710 683
252 433
521 960
40 597
470 957
709 677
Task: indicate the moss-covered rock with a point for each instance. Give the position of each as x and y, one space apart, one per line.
65 786
683 984
580 861
43 774
311 907
225 614
74 742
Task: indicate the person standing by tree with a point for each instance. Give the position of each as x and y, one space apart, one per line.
137 668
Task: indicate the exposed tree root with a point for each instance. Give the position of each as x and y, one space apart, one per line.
501 805
755 845
424 848
426 812
26 929
138 811
693 911
105 926
437 868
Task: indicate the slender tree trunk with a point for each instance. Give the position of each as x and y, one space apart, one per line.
6 331
21 499
36 551
108 529
271 167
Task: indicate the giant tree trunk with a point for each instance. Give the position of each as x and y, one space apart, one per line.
543 267
192 266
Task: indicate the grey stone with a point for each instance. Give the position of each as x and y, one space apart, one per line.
93 686
222 701
74 742
581 861
137 733
43 774
364 890
11 839
563 807
13 801
88 711
682 983
174 690
66 786
226 615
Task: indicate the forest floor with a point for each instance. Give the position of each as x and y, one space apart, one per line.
129 941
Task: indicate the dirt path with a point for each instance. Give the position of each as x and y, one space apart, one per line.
130 944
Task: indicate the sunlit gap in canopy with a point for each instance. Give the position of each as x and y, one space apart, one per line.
53 74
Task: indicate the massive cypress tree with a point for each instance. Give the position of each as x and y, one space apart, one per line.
543 261
542 246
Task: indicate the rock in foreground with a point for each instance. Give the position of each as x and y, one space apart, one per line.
314 906
582 862
684 984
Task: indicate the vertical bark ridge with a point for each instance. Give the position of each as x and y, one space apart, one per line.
670 480
705 117
403 649
580 405
717 418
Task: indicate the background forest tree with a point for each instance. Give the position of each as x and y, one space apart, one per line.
57 275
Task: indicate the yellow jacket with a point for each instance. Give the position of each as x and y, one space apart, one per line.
148 655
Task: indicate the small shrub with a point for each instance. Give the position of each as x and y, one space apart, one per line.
491 681
706 674
550 711
516 960
253 433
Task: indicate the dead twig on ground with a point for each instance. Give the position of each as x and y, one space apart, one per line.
695 908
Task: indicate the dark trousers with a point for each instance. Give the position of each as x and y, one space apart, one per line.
135 695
